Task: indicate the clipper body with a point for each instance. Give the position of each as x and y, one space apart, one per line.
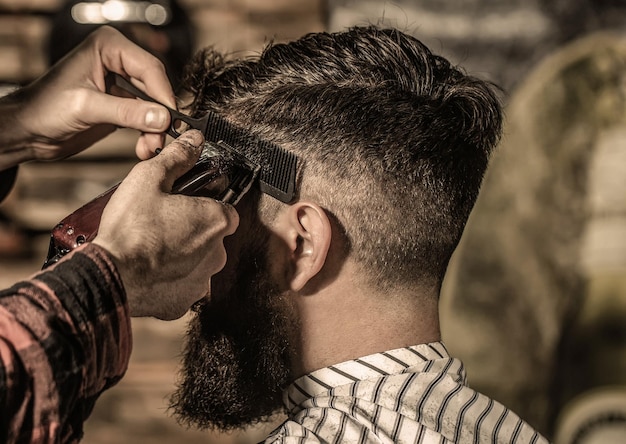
220 173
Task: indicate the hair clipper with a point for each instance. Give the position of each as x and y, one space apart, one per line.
220 173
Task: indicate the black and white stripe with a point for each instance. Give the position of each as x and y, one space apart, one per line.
409 395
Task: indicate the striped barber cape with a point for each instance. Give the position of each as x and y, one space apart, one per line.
416 394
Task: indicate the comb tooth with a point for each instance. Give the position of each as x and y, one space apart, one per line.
278 180
278 167
219 129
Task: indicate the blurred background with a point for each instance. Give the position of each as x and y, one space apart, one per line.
535 299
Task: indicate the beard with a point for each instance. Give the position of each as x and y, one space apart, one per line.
236 357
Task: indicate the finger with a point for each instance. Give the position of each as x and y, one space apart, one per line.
232 219
145 70
156 84
177 158
222 218
147 144
213 264
129 113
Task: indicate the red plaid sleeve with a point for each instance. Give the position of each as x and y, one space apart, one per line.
64 338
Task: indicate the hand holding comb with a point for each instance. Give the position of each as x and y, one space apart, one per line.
224 171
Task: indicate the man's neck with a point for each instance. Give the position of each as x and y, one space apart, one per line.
345 320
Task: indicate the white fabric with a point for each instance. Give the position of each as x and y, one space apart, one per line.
411 395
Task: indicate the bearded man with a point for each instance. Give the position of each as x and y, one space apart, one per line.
327 308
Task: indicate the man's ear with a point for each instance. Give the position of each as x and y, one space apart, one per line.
308 237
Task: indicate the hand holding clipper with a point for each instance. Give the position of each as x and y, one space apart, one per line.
220 173
172 243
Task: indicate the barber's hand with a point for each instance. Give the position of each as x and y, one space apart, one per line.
67 110
166 246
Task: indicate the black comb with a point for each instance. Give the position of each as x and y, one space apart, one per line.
278 167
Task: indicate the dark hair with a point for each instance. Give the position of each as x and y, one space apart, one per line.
395 140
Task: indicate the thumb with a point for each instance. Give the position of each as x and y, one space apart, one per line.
126 112
177 158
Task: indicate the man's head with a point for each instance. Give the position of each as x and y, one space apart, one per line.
394 143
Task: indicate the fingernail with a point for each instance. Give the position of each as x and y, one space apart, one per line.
156 118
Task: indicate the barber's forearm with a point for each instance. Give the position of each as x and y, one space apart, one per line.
64 338
91 293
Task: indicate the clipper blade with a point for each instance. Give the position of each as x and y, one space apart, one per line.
220 173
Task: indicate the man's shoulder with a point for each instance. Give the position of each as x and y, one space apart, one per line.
291 432
408 395
416 407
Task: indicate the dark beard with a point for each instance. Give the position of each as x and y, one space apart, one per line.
236 358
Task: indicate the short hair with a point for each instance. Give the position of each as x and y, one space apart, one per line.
395 140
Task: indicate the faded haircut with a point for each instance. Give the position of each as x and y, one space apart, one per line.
395 140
